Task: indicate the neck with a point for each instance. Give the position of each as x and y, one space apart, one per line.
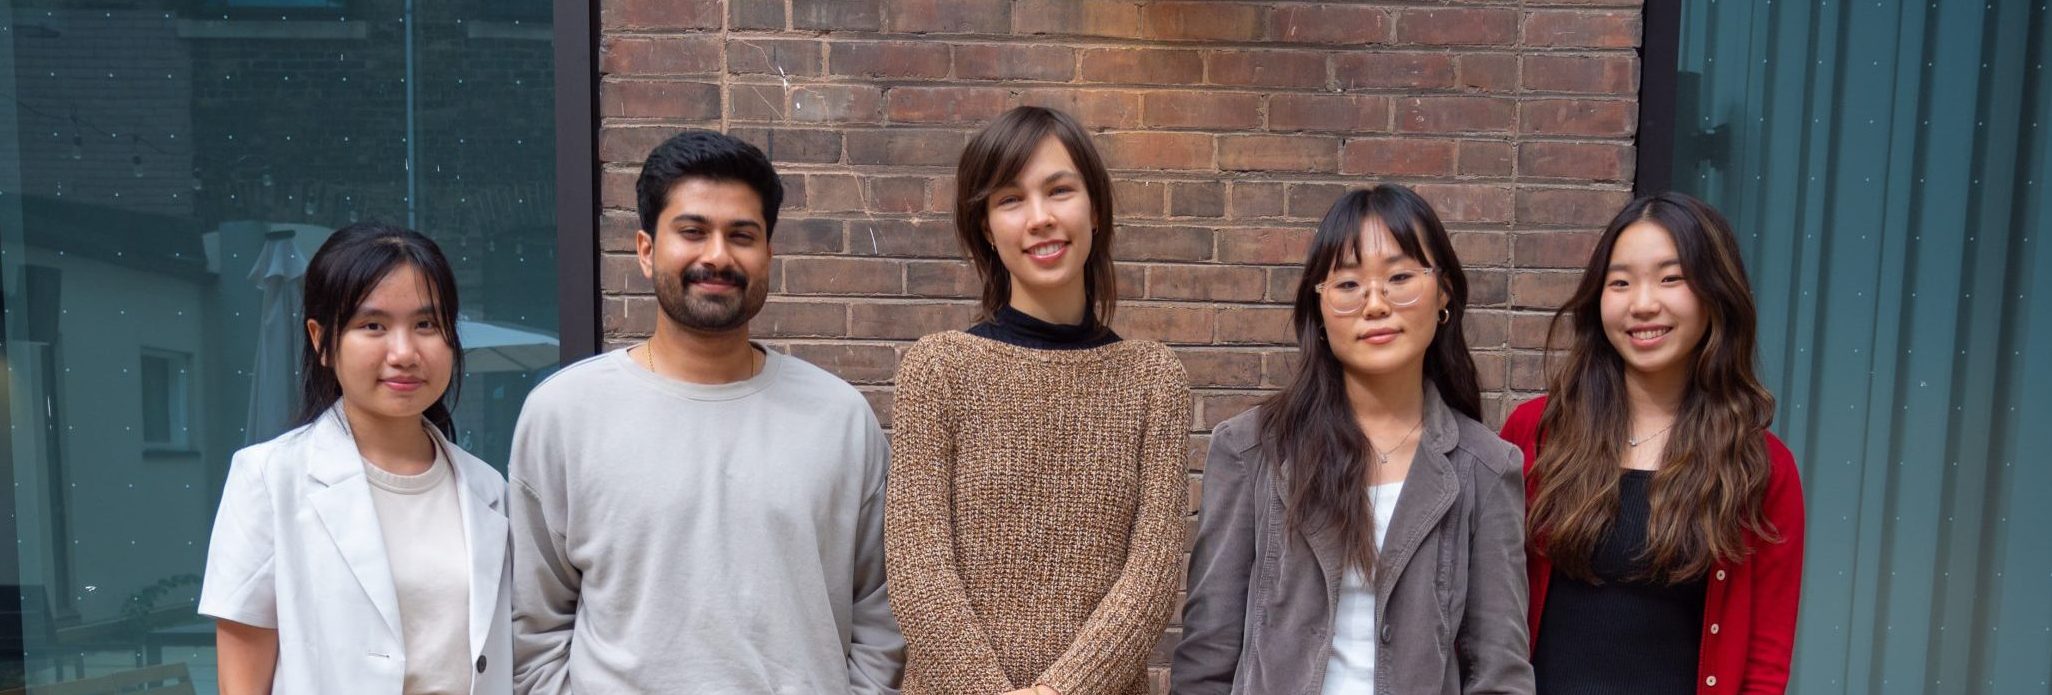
1063 305
702 358
1384 401
396 445
1655 398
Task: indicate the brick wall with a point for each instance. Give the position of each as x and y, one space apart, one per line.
1229 126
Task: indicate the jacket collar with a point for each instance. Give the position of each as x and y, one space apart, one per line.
1430 489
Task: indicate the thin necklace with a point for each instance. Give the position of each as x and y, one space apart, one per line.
1636 441
1382 458
648 354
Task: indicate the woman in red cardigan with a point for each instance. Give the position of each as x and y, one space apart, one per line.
1666 521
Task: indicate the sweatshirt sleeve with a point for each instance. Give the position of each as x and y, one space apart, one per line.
941 632
545 581
876 650
1114 643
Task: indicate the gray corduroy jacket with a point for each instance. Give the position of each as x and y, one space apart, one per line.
1449 581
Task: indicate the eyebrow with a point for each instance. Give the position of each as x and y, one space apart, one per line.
373 312
1614 267
1065 173
707 221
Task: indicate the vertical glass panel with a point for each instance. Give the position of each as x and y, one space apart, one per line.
1886 166
167 167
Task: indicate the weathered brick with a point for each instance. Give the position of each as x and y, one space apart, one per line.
950 104
1141 66
1197 199
1141 199
1343 113
837 15
1203 110
1293 69
905 147
670 14
1488 286
1542 290
1156 150
1250 199
1398 157
1178 20
755 14
696 101
1015 62
784 58
843 276
1488 72
833 193
1554 249
1583 29
800 319
896 193
616 231
891 59
904 238
1159 243
1582 161
643 56
1214 368
1616 74
1278 153
1465 27
1459 203
1168 323
1340 25
1569 206
856 363
1206 282
1455 114
807 235
1270 246
813 103
1579 117
1113 18
1270 325
794 144
906 321
948 16
1312 199
1485 158
1409 71
1214 407
618 143
1098 109
943 279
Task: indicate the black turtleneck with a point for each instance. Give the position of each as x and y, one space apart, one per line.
1015 327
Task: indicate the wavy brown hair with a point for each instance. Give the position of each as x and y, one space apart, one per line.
1712 482
1308 429
992 159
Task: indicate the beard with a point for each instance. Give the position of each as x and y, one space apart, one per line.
707 312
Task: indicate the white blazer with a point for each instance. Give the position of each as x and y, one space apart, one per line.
297 548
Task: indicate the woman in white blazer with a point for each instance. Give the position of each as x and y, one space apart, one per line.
362 552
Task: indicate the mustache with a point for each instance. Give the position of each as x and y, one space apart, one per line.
729 276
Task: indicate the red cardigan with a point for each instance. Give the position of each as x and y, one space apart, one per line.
1749 609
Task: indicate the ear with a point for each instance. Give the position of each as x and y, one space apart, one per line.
644 252
313 336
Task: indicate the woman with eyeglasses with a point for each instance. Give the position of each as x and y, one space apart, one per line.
1362 531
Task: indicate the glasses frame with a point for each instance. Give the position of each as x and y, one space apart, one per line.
1381 286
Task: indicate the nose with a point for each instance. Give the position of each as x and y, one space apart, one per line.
716 253
403 348
1375 301
1040 215
1643 303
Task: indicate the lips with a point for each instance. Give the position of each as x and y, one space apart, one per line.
403 384
1647 336
1379 336
1047 252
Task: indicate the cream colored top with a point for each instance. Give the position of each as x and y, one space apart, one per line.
423 527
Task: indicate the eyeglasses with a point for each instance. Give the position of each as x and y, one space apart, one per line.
1346 295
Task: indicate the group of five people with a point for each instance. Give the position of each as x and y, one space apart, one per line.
696 513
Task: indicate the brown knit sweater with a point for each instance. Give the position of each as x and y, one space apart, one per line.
1034 515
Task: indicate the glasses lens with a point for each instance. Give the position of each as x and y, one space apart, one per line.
1345 296
1405 287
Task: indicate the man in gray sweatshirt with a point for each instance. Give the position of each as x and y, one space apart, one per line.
696 513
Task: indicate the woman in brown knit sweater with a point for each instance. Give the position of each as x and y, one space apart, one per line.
1034 516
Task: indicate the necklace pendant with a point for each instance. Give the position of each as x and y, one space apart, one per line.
1633 442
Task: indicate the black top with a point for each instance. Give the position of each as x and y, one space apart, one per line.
1625 636
1015 327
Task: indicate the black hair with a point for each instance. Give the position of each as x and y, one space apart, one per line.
704 154
341 275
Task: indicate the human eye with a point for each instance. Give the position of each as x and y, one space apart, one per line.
1617 283
1673 279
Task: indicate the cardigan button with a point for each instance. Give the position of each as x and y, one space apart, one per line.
480 664
1713 628
1711 681
1720 575
1385 633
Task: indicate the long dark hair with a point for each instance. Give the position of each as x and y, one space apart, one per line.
993 158
1308 429
1712 483
341 275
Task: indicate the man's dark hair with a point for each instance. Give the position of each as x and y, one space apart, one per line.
704 154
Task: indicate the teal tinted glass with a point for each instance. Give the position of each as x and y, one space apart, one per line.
1887 166
166 170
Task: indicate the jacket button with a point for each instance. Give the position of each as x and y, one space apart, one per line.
1713 628
1720 577
480 664
1711 681
1385 633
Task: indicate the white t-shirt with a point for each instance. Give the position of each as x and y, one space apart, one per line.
1351 668
424 539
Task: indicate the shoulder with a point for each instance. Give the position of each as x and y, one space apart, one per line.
1522 427
1155 359
568 385
1784 479
1495 455
474 471
1238 434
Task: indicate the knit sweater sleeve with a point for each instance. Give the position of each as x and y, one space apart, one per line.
1114 643
941 630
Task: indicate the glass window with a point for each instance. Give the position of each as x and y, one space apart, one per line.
167 167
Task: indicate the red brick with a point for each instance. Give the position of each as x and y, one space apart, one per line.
1488 286
630 315
1340 25
1283 282
1311 200
794 190
1132 281
896 194
624 272
837 15
670 14
1271 246
800 319
1142 66
1344 113
1492 369
696 101
833 193
1098 109
816 103
1569 206
898 321
905 147
845 276
1529 331
881 401
1579 117
940 196
1113 18
1488 72
1156 150
1249 199
1278 153
1151 243
904 238
1210 368
1567 250
945 279
1302 69
1394 70
1279 367
856 363
616 186
1542 290
775 57
896 59
669 55
1398 157
1197 199
1179 324
1458 27
793 144
631 144
1015 62
1206 282
616 231
1485 158
1485 328
1201 109
949 16
1140 198
1582 29
1459 203
1582 74
1215 407
1582 161
1528 371
1201 21
807 235
1455 114
950 104
755 14
1269 325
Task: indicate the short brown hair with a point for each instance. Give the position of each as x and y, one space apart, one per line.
993 158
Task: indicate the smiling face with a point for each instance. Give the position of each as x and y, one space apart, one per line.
391 359
1380 337
709 256
1040 224
1650 314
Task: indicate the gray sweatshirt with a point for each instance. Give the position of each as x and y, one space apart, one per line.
670 537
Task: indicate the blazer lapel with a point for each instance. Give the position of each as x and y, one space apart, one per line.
1429 491
345 510
485 525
